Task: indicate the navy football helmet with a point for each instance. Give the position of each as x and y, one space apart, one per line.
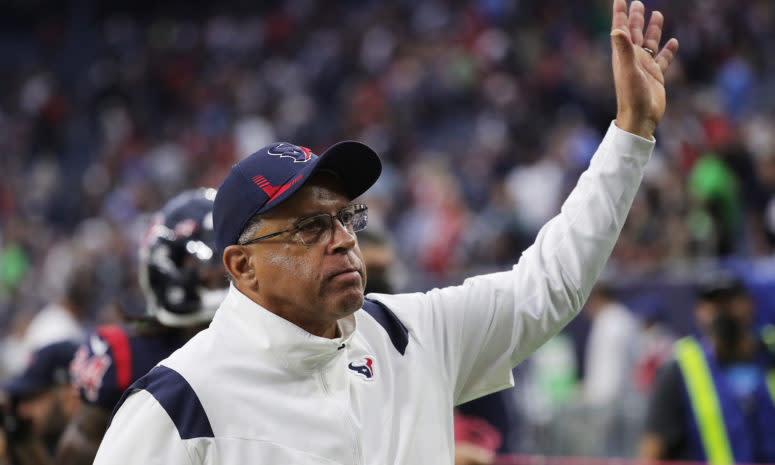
180 272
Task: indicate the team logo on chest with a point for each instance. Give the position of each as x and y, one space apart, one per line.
363 367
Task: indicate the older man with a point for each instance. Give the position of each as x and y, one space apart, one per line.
297 367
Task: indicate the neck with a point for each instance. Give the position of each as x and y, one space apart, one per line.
326 329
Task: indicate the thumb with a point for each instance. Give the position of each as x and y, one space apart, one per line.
620 42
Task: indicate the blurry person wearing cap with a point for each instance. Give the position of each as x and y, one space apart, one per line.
712 403
183 282
298 367
38 404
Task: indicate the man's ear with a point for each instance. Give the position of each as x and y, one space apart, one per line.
237 263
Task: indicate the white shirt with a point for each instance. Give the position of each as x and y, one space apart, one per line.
53 323
254 388
611 355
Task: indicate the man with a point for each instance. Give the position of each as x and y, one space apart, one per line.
63 319
297 367
713 403
610 352
608 388
40 402
183 283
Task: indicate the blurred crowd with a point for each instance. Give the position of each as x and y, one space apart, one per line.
484 113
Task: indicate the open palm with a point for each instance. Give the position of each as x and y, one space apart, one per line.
639 76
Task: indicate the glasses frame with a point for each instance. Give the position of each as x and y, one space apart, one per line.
359 207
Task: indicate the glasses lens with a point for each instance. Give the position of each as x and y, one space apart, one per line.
312 229
359 218
352 217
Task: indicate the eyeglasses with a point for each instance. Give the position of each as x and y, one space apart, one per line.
311 229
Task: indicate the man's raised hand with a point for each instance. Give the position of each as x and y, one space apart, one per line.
639 67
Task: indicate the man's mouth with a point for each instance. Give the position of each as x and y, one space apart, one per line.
348 273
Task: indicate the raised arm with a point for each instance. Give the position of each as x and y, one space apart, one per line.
493 322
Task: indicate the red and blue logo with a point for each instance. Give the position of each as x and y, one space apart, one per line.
286 150
363 367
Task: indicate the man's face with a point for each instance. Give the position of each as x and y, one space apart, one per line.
311 285
738 307
45 412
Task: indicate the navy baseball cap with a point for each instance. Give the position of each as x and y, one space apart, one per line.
49 366
268 177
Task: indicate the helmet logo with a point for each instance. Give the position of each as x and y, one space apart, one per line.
185 228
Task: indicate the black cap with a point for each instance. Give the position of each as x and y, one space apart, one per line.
48 367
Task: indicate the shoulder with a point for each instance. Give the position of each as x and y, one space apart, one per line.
395 329
100 366
173 393
112 358
142 433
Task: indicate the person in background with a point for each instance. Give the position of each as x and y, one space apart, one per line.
38 405
63 319
712 402
654 343
183 283
608 369
379 256
610 351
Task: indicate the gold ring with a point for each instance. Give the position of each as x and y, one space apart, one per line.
650 52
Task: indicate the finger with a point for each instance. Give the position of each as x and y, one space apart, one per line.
622 47
666 55
637 20
654 31
619 20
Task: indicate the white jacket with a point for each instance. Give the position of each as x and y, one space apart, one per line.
256 389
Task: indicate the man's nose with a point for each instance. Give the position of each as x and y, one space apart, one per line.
342 238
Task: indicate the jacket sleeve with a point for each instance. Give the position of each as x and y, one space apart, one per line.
480 330
141 416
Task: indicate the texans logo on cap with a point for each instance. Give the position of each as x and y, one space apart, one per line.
283 149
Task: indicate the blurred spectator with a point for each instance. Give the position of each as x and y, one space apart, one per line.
66 317
610 351
654 343
380 259
609 368
712 403
40 402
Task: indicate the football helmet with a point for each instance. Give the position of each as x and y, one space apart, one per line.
180 272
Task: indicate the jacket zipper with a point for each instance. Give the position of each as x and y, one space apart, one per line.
348 420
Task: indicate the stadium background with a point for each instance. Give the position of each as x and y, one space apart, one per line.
484 112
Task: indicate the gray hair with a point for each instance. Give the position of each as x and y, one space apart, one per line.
250 229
